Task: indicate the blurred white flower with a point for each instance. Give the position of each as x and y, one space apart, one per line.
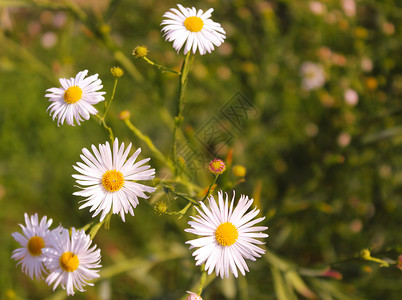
110 182
49 39
351 97
193 28
228 235
313 76
36 236
366 64
71 262
73 101
344 139
349 7
59 19
317 8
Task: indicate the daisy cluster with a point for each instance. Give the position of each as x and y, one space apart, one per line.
108 179
109 183
64 258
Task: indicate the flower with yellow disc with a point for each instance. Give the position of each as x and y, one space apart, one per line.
36 236
74 100
193 28
228 235
71 262
109 179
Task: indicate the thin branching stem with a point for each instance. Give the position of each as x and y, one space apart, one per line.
107 104
180 106
210 187
160 67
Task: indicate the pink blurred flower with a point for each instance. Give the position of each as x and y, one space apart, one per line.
313 76
49 40
344 139
388 28
349 7
317 8
193 296
351 97
59 19
366 64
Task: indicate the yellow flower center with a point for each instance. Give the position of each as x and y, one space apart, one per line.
35 245
113 180
194 24
72 94
226 234
69 261
217 166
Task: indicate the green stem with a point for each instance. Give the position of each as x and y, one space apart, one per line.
179 180
179 118
94 230
382 263
184 196
209 188
202 280
207 281
149 143
160 67
102 119
180 213
103 123
107 105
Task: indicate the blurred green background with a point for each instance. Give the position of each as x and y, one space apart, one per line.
325 171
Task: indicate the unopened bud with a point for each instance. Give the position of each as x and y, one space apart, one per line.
124 115
239 170
140 51
117 72
217 166
160 207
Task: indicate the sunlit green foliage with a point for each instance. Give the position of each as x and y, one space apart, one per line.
327 174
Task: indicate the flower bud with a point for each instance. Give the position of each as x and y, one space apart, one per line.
239 171
124 115
140 51
160 207
117 72
217 166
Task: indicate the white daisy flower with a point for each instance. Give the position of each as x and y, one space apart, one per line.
71 262
36 236
75 99
110 181
195 27
313 76
228 235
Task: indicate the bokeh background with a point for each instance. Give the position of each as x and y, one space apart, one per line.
322 147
